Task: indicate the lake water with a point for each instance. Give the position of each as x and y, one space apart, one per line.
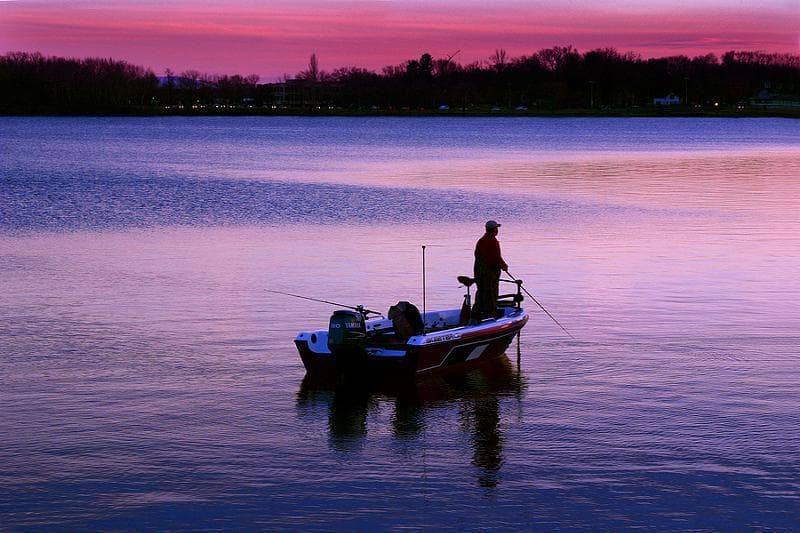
148 380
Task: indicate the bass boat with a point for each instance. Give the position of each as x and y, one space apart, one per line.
407 342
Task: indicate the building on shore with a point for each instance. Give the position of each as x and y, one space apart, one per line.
670 99
766 99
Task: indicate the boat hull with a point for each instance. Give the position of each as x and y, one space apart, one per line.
450 350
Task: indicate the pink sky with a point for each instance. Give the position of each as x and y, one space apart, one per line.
272 38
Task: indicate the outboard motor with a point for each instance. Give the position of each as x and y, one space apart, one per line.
347 332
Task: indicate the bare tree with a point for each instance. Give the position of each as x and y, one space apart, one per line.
312 73
499 58
426 65
188 79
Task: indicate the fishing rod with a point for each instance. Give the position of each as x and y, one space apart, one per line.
519 282
359 308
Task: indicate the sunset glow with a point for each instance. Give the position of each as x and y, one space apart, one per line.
275 38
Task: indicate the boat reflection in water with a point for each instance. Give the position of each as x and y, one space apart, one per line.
472 399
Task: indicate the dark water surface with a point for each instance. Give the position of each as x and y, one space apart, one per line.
148 380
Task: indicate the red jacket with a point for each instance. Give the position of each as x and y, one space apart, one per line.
487 250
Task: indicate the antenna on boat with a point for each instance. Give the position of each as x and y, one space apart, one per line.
423 290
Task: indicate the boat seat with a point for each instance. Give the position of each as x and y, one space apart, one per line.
466 281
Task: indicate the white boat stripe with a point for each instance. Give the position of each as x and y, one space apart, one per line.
489 341
476 352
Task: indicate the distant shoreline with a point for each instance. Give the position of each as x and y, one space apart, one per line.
481 113
555 82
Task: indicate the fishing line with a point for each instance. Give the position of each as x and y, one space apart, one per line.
540 305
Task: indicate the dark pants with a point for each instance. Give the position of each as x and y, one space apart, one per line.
488 282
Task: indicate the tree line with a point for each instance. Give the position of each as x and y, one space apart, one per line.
552 79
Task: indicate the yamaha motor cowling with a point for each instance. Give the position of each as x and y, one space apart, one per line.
347 332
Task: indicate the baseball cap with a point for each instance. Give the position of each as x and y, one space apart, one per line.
492 224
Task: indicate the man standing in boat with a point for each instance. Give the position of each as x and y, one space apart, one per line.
488 264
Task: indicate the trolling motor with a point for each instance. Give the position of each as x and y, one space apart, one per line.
504 300
511 300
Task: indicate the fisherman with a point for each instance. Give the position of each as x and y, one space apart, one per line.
488 264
